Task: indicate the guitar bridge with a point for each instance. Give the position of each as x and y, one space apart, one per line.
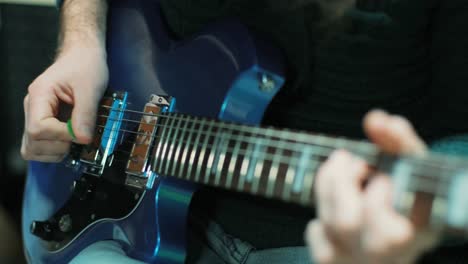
139 173
95 157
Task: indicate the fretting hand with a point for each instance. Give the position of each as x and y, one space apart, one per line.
359 225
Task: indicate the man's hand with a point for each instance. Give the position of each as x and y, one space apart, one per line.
359 225
77 78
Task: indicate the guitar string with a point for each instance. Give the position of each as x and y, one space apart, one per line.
246 139
253 137
180 117
185 117
305 137
420 183
427 161
417 183
422 175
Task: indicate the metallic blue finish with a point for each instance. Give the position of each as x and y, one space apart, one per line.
245 101
172 106
114 122
216 70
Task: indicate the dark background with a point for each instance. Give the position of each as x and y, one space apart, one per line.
27 45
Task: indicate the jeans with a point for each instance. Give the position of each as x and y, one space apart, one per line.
207 243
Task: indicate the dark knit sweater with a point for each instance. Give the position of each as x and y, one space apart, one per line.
409 57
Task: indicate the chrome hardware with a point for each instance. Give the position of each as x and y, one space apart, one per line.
97 156
43 230
160 100
266 83
65 223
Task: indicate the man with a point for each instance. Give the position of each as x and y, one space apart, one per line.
397 55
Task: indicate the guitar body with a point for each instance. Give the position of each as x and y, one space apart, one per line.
219 73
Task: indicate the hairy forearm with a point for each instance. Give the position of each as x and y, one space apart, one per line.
83 24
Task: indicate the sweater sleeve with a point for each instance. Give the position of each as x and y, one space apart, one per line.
449 59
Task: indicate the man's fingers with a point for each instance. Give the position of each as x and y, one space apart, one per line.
386 231
393 134
340 205
348 199
41 107
49 129
48 158
45 147
321 250
42 103
84 118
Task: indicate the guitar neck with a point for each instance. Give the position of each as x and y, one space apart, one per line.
281 164
268 162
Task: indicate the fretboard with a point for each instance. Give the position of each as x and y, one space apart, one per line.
263 161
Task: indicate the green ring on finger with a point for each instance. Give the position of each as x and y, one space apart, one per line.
70 129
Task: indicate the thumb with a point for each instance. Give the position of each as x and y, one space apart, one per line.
84 117
394 134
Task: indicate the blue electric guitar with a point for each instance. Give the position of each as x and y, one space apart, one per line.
134 183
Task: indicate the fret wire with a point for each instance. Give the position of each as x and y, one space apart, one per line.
285 159
427 186
239 126
272 177
233 162
211 156
288 181
288 160
157 157
299 137
201 158
177 157
166 147
363 145
185 153
437 185
245 163
256 165
161 143
429 173
309 177
292 145
314 165
222 158
170 158
259 167
300 171
193 153
415 187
